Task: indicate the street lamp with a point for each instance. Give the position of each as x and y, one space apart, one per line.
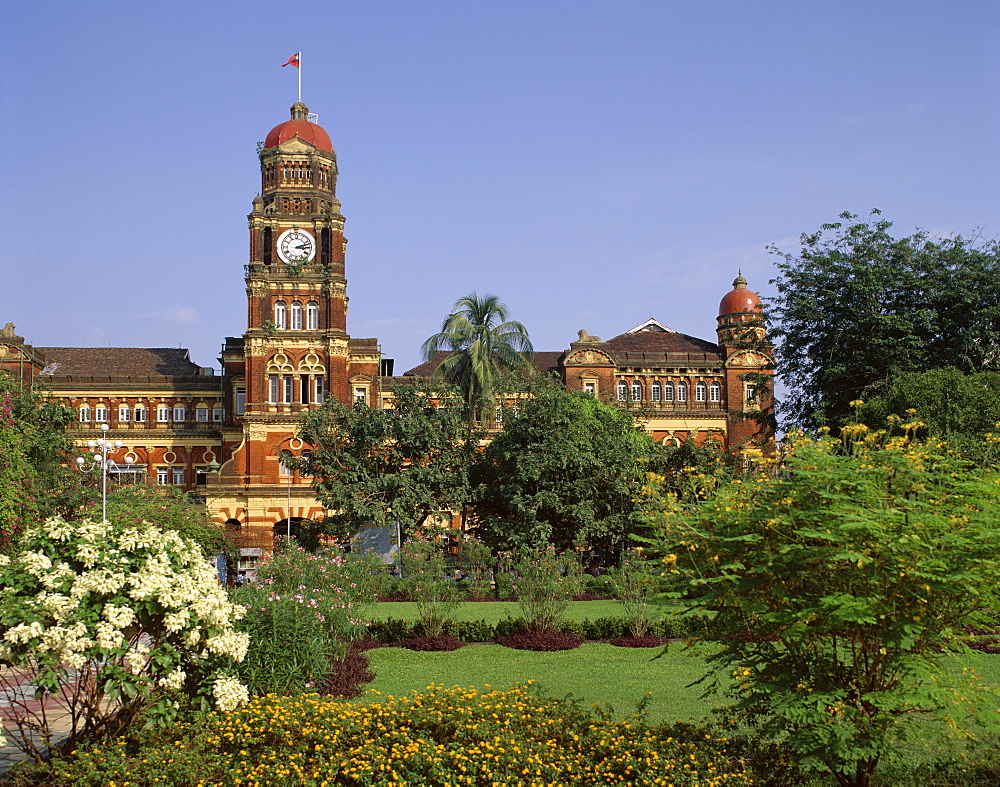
102 447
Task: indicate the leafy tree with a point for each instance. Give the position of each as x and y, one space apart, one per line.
962 409
857 307
834 589
565 470
35 482
483 347
370 465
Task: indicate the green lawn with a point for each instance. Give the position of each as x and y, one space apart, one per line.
495 611
593 673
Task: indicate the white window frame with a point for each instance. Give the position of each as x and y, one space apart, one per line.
361 394
295 316
701 392
85 414
123 413
590 388
241 400
180 413
312 316
163 413
163 476
682 391
201 415
280 315
177 476
288 388
273 388
319 388
498 416
668 392
636 391
284 470
715 392
140 414
622 389
217 414
655 391
101 413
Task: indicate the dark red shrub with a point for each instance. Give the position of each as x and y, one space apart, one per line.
440 642
348 677
541 640
648 641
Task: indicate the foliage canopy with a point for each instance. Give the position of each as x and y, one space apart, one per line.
857 307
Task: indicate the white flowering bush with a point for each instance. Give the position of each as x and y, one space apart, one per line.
100 621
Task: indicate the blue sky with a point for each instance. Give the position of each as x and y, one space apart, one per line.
592 163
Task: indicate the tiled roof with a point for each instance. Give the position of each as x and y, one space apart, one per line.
542 361
659 342
121 361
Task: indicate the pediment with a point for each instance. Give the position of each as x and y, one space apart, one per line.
749 359
588 357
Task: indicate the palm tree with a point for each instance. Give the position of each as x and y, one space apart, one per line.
482 346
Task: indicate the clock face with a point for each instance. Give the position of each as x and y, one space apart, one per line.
296 245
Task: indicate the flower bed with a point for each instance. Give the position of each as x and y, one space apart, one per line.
457 736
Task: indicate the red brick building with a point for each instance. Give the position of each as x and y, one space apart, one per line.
221 435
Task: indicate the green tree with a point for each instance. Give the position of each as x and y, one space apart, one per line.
138 506
962 409
35 481
370 465
857 307
833 589
483 347
564 470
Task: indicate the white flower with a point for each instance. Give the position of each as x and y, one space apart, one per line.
108 636
173 681
23 633
119 617
35 562
229 644
229 694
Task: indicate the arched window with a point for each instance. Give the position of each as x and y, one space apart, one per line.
682 391
668 392
655 391
636 391
622 390
700 392
312 316
715 392
84 414
295 321
279 315
140 413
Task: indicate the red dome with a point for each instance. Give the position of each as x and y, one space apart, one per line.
299 127
739 299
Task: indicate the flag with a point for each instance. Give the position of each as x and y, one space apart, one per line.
292 61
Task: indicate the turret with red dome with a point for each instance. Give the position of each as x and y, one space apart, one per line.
739 299
301 127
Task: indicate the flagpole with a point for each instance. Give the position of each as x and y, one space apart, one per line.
299 69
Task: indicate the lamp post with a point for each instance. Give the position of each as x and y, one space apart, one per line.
102 447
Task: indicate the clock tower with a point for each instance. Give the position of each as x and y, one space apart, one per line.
296 351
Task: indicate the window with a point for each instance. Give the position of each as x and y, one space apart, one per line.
715 392
590 389
162 413
241 401
216 414
750 394
178 476
84 414
700 392
622 390
360 395
312 317
668 392
101 413
180 412
279 315
123 413
636 391
515 412
655 391
272 388
201 414
162 476
295 317
682 391
288 388
140 413
320 396
284 470
498 416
